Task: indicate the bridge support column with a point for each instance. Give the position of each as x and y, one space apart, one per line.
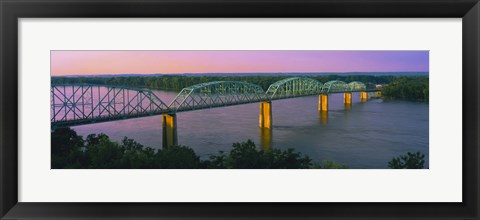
363 96
169 130
323 102
347 98
265 118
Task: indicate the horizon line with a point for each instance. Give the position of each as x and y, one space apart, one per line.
104 74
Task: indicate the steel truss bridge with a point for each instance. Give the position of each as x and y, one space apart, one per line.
79 104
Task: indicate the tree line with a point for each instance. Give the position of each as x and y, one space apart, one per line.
414 88
407 88
177 83
98 151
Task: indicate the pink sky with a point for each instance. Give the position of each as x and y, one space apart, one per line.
149 62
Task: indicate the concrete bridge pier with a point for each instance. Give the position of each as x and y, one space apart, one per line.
169 130
265 117
347 98
323 102
363 96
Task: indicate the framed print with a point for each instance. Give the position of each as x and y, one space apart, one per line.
227 109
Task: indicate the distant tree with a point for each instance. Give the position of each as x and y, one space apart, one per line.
407 88
176 83
408 161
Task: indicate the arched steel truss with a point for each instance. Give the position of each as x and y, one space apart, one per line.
217 94
356 86
84 103
294 87
334 86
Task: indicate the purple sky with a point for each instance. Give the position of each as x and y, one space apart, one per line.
145 62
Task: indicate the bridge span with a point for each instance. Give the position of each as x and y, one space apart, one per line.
79 104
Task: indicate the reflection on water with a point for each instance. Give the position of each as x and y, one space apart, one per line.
367 135
347 106
266 138
323 117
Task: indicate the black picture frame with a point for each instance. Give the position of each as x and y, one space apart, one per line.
12 10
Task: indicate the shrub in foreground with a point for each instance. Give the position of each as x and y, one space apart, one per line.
408 161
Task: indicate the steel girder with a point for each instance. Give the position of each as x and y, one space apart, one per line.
294 87
74 104
217 94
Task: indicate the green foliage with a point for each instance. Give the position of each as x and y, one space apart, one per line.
66 149
177 157
289 159
407 88
99 152
135 155
245 156
409 161
104 154
328 164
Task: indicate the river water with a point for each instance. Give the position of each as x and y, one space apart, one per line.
365 135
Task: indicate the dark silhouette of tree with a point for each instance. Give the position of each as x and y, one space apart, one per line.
246 156
408 161
66 149
104 154
177 157
328 164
